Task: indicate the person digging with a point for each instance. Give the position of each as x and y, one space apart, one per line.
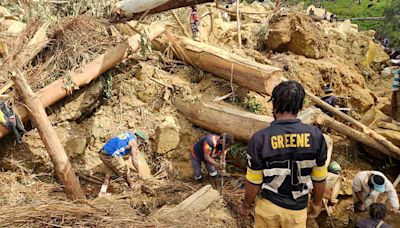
368 185
206 150
113 153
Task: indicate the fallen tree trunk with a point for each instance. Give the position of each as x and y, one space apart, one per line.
222 118
50 139
56 91
395 151
257 77
125 11
247 73
361 137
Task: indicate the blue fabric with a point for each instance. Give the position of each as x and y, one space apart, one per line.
119 146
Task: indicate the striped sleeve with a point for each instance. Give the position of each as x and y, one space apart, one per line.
254 176
254 172
320 171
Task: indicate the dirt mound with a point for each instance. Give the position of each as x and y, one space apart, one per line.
297 33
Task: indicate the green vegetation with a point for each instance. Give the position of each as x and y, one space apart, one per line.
383 8
252 104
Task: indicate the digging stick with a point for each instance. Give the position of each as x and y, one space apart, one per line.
325 202
223 161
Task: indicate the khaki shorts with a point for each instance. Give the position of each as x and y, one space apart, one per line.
267 214
116 164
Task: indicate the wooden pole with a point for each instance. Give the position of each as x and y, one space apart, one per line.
238 18
56 151
379 138
180 24
54 92
361 137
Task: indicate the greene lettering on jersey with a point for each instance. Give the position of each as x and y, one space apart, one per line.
290 141
285 158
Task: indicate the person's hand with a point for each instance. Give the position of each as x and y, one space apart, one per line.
363 207
224 173
315 210
395 210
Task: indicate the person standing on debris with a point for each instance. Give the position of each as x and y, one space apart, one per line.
195 23
12 121
113 152
329 98
367 185
386 42
332 18
377 213
285 161
395 102
205 150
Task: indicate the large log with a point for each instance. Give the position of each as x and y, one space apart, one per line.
125 11
56 91
56 151
247 73
222 118
361 137
395 151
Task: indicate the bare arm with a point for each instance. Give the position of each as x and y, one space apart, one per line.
134 152
251 192
210 160
319 189
359 196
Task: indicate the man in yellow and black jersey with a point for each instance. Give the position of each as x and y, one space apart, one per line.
285 161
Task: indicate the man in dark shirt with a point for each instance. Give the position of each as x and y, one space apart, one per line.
285 161
206 150
377 213
329 98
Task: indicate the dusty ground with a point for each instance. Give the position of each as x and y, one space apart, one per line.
84 121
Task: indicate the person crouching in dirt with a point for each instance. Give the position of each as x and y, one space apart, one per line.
113 152
377 213
12 121
195 23
367 185
205 150
285 161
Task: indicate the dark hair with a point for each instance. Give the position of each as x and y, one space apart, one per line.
229 139
288 97
378 211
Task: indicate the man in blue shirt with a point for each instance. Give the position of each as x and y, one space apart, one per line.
113 152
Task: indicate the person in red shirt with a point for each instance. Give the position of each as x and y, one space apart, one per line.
195 23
